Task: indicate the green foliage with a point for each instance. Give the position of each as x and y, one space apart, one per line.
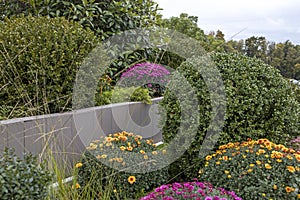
104 17
39 58
22 179
107 162
187 25
255 170
260 103
119 94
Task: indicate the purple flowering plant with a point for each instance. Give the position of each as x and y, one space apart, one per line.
191 190
151 76
295 143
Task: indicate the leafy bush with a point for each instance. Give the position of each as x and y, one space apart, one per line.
22 179
128 94
260 104
152 76
256 169
190 190
104 17
112 162
39 60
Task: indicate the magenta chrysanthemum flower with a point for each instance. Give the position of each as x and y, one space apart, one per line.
191 190
148 75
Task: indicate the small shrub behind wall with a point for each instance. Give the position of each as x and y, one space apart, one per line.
39 59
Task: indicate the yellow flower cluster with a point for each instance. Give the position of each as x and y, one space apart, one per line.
262 147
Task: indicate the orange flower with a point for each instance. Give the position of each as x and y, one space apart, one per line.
129 148
225 157
122 138
289 189
108 139
291 169
267 166
149 141
260 141
289 157
122 148
297 157
76 186
78 165
258 162
208 157
261 151
230 145
142 151
131 179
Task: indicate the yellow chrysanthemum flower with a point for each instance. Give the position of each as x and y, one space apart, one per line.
78 165
258 162
131 179
289 189
291 169
267 166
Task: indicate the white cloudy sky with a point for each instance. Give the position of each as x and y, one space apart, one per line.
277 20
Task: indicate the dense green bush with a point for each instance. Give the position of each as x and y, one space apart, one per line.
122 162
39 58
104 17
128 94
260 103
22 179
255 170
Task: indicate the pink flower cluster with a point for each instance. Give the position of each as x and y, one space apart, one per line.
147 71
190 190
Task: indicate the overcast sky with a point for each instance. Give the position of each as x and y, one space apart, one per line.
277 20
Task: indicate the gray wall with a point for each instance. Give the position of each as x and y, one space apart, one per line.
65 135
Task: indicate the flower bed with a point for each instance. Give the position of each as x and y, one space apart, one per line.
255 170
190 190
116 162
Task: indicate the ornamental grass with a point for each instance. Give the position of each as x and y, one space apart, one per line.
255 170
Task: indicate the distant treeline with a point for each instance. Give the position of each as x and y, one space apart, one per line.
284 56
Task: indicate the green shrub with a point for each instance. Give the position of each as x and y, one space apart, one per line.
39 59
106 163
128 94
104 17
260 103
22 179
255 170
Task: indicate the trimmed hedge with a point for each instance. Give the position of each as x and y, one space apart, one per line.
39 59
260 104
